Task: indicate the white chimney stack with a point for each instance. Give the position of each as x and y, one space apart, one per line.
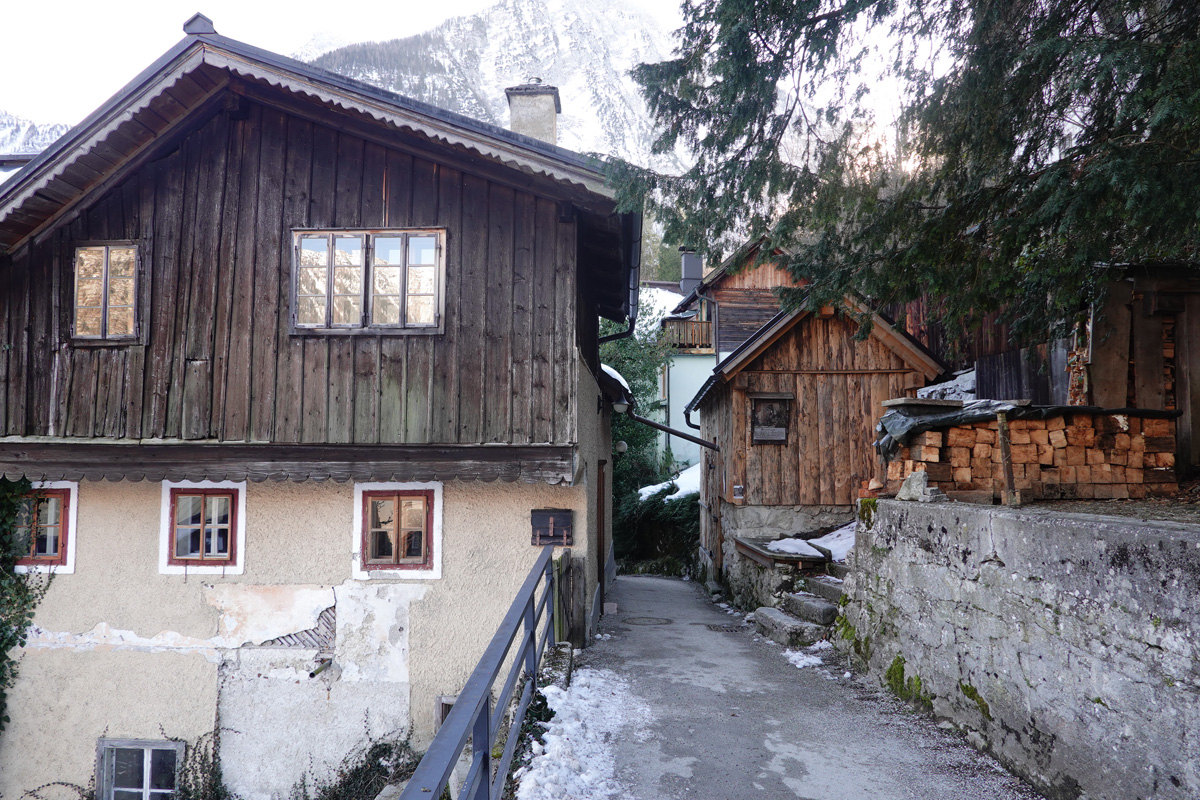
533 110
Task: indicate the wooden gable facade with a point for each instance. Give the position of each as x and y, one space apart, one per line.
793 413
735 299
209 178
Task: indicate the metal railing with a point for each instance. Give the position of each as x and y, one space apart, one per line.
687 333
473 717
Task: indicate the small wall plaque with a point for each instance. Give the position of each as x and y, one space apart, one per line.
769 420
552 526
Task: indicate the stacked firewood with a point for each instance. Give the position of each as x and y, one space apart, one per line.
1079 455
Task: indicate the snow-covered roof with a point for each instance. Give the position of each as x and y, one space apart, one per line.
616 376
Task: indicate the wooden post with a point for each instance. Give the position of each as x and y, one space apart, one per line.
1011 496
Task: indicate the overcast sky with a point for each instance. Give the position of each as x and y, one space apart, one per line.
60 60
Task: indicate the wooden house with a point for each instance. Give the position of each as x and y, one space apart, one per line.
292 362
716 314
793 410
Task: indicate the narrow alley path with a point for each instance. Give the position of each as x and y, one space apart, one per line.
722 714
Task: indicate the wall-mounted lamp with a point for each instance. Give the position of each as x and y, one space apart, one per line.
620 407
620 447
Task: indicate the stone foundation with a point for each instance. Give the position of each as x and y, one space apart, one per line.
752 585
1066 644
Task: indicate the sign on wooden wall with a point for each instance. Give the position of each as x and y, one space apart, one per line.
769 416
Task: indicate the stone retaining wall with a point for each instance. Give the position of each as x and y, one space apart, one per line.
1066 644
1081 455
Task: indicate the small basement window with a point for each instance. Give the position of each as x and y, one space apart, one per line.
137 769
769 417
105 292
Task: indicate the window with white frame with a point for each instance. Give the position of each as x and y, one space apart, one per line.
105 292
137 769
397 530
381 281
45 526
203 527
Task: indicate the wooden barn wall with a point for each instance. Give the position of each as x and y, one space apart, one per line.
740 313
214 218
839 385
715 427
746 301
921 319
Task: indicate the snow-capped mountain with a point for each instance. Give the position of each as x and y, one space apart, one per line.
19 135
585 49
464 64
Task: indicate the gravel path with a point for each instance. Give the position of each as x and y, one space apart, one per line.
731 717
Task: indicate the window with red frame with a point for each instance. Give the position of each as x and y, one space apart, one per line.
397 529
203 526
42 521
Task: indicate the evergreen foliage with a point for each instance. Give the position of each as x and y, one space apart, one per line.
19 592
639 359
1043 147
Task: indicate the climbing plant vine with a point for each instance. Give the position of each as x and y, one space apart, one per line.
19 592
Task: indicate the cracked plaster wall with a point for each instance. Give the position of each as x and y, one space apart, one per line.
1066 644
119 650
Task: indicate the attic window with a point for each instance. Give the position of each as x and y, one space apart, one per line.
105 292
382 281
769 416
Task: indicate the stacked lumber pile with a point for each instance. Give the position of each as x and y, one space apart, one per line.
1080 455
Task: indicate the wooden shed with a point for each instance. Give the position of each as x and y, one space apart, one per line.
792 411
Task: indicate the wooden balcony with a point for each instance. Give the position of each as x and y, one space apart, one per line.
687 334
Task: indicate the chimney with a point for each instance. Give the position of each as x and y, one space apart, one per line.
691 270
533 110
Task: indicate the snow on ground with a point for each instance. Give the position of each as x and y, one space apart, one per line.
576 761
687 482
797 547
839 542
618 377
808 656
801 660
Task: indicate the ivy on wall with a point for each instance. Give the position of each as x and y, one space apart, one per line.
19 592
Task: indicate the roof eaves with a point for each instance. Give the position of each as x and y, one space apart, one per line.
97 119
512 149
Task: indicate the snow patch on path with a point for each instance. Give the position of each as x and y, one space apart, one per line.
576 761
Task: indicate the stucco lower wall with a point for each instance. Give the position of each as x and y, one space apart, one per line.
120 650
1066 644
65 700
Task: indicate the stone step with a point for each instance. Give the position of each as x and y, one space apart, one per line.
811 608
837 570
781 627
825 587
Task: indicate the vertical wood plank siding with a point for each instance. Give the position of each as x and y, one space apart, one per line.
838 385
212 215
